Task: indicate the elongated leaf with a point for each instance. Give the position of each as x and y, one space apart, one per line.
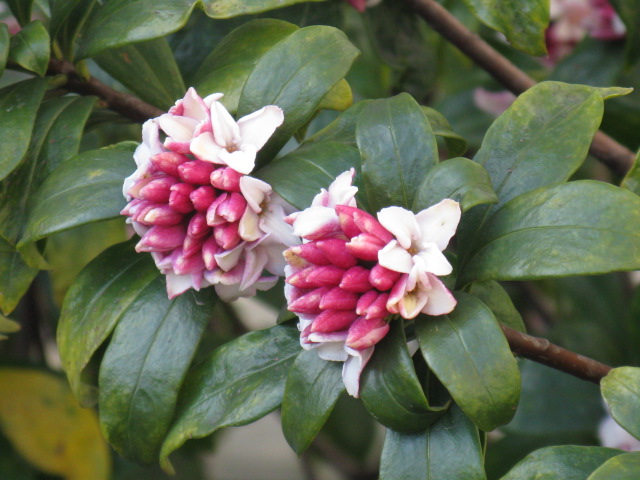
102 293
84 189
45 424
18 106
121 22
458 178
398 148
469 354
312 389
456 144
559 231
622 467
497 299
67 19
30 48
21 9
391 390
233 8
450 448
632 180
15 276
566 462
229 65
148 69
629 11
240 382
145 365
4 46
621 391
309 63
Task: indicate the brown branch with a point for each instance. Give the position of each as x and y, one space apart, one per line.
616 156
543 351
127 105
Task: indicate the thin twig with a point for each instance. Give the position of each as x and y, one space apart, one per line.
616 156
542 351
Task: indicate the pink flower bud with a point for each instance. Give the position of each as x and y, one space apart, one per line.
336 251
299 279
184 265
168 162
209 249
325 276
192 245
196 172
365 301
311 252
294 260
232 208
378 308
355 221
158 189
347 223
198 226
365 333
226 179
333 321
382 278
202 197
213 218
365 247
338 299
356 279
162 239
179 198
227 235
159 215
309 302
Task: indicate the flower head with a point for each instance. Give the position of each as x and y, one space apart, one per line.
204 221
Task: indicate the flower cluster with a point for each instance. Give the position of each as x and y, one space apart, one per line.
205 221
353 272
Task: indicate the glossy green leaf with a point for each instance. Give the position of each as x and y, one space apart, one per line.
456 144
621 391
100 296
145 364
241 381
523 24
299 175
622 467
30 48
342 129
469 354
15 276
566 462
4 46
458 178
390 388
449 449
84 189
568 229
21 9
629 11
398 148
312 389
148 69
67 19
120 22
229 65
339 98
18 106
233 8
309 62
631 180
497 299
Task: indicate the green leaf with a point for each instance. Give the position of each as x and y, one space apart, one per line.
458 178
229 65
390 388
233 8
86 188
622 467
15 276
312 389
559 231
449 448
523 24
621 391
497 299
21 9
148 69
456 144
566 462
67 19
295 75
631 180
8 326
629 11
30 48
4 46
120 22
19 103
398 148
144 367
342 129
299 175
469 354
240 382
339 98
101 294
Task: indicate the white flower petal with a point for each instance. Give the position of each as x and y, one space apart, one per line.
256 259
433 260
401 223
178 284
395 258
248 227
341 192
352 369
205 148
255 192
257 127
177 127
228 259
225 128
441 301
242 160
438 223
314 220
332 351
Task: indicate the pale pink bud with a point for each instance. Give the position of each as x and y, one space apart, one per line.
310 252
213 219
365 333
209 249
202 197
160 215
227 235
168 162
356 279
198 225
226 179
192 245
325 276
134 190
299 279
365 247
333 321
179 198
309 302
338 299
336 251
184 265
196 172
158 190
382 278
232 208
294 260
162 239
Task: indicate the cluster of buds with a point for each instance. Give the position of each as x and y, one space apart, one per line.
353 272
204 220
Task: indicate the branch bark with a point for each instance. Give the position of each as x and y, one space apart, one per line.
616 156
543 351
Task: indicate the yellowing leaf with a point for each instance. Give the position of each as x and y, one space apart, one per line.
42 419
7 326
338 98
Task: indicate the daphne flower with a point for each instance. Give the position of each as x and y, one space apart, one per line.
204 222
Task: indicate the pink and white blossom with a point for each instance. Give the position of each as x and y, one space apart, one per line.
613 435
